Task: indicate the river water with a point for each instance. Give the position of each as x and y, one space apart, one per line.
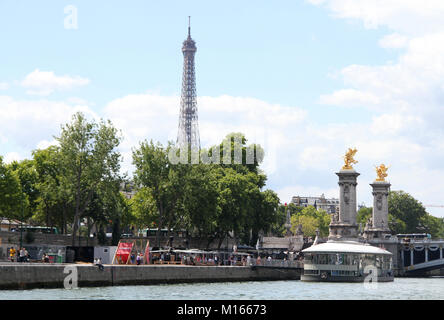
400 289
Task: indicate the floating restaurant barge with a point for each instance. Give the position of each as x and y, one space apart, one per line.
347 261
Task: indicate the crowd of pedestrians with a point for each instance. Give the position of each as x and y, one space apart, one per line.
20 255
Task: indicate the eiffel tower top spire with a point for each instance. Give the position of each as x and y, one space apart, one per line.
189 44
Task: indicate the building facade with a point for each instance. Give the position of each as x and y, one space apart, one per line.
330 205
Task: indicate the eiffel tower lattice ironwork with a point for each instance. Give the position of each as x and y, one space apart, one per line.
188 133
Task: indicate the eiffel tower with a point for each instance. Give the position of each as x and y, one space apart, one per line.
188 133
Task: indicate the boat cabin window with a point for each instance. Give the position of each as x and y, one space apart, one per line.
323 259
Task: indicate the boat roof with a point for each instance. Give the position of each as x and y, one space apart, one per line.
345 247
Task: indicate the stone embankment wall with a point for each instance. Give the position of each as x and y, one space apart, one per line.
27 275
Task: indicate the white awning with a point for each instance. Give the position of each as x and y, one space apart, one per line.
345 247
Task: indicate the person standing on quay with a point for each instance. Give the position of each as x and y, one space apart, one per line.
22 255
12 253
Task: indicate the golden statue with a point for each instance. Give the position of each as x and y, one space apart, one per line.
348 159
381 171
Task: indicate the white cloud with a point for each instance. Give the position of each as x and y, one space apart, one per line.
349 98
46 144
29 122
12 156
314 157
405 16
4 86
395 123
394 41
46 82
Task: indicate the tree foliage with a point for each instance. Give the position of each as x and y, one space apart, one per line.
402 206
363 214
89 162
311 219
11 196
209 199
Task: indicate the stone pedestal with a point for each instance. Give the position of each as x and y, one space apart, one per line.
379 223
343 226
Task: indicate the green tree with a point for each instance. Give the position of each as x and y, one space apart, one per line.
264 213
239 157
278 228
27 174
432 225
396 225
363 214
53 205
199 205
402 206
232 202
89 160
314 219
164 180
144 208
209 199
11 196
121 216
309 224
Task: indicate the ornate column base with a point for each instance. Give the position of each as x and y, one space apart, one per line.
370 234
343 231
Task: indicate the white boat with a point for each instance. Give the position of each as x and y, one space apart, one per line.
347 261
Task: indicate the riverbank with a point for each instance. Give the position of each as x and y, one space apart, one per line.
39 275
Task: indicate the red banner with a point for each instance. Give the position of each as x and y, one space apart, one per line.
147 253
123 251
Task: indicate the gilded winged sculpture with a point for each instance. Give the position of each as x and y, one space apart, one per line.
381 171
348 159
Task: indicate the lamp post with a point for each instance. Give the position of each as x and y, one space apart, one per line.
79 232
21 224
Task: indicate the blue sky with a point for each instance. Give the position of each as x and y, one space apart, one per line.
307 79
281 53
